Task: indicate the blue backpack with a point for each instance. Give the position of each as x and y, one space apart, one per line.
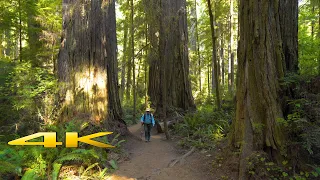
144 118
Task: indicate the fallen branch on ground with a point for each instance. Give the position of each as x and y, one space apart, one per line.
182 157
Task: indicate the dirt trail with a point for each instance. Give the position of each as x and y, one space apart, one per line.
149 161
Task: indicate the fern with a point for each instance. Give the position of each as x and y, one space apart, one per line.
90 167
7 167
30 174
70 157
56 170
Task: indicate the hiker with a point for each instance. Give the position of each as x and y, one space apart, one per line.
148 121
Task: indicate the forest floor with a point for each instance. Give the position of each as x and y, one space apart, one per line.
150 161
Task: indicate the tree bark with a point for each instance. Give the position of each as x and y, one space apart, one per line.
123 65
174 53
289 33
198 46
133 62
231 53
7 51
215 72
33 32
319 37
222 60
262 63
129 71
173 50
152 10
145 69
312 22
20 31
87 63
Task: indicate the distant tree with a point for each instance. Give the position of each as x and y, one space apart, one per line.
215 74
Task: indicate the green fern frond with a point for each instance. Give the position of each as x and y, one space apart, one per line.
119 143
70 157
103 173
90 167
56 170
30 174
115 138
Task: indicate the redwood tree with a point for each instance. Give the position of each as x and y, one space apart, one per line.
215 72
267 40
87 63
173 50
170 76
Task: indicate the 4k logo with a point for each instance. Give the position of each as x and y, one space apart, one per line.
72 139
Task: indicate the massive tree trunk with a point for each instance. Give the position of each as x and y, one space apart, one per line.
169 83
87 63
170 54
174 55
215 70
262 63
152 10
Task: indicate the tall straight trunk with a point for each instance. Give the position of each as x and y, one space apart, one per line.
231 53
162 104
319 38
129 70
133 62
2 50
262 63
194 42
175 88
209 89
123 65
152 10
198 46
218 45
173 50
33 32
209 80
87 64
20 32
312 22
232 73
222 59
9 43
145 69
215 72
